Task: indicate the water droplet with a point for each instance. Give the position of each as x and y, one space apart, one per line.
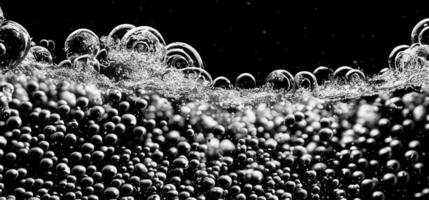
355 75
181 55
305 79
81 42
222 82
278 79
340 73
245 81
115 36
16 42
323 74
417 29
394 53
198 74
41 54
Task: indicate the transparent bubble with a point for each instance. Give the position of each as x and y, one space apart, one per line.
355 75
197 74
115 36
15 42
51 45
143 39
417 29
403 60
44 43
86 61
305 79
394 53
323 74
65 64
278 79
424 36
81 42
181 55
421 50
340 73
245 81
222 82
41 54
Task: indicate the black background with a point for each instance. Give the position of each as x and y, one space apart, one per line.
235 36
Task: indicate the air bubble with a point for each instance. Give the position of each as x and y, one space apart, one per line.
222 82
305 79
41 54
403 59
15 43
418 29
65 64
85 61
1 16
43 43
81 42
143 39
394 53
278 79
355 75
323 74
245 81
181 55
340 73
115 36
197 74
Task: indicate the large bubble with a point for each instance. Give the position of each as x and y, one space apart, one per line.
417 29
394 53
222 82
182 55
424 36
81 42
245 81
305 79
41 54
115 36
279 79
15 43
323 74
143 39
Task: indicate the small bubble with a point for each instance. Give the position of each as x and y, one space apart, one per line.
222 82
323 74
81 42
115 36
245 81
15 44
355 75
340 73
198 74
418 29
394 53
305 79
181 55
41 54
278 79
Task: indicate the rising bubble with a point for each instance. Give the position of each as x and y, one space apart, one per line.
245 81
222 82
305 79
394 53
81 42
323 74
417 29
15 43
181 55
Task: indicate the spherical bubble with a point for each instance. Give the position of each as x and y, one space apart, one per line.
41 54
222 82
340 73
181 55
115 36
16 42
65 64
323 74
403 59
418 29
197 74
305 79
355 75
143 39
278 79
81 42
394 53
245 81
424 36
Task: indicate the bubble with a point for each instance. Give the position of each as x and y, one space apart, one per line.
418 29
65 63
85 61
355 75
15 43
394 53
81 42
198 74
279 79
41 54
1 16
403 59
245 81
115 36
323 74
181 55
305 79
340 73
222 82
143 39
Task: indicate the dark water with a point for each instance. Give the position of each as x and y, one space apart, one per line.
241 36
